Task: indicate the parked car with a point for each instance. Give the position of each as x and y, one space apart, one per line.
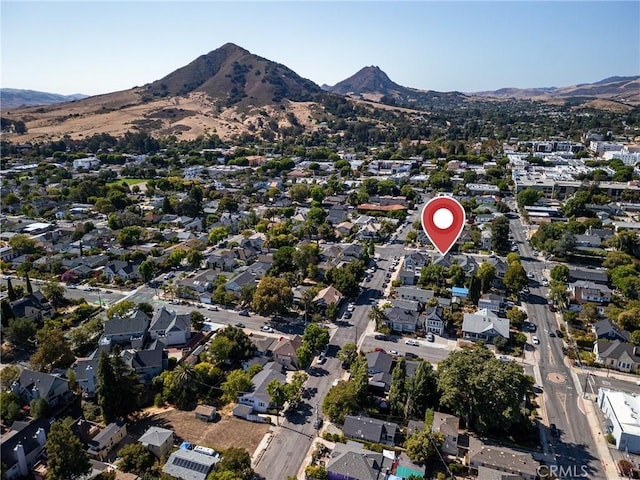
321 359
317 423
551 334
243 313
559 334
213 308
266 328
380 336
240 325
393 352
430 337
413 343
536 341
410 355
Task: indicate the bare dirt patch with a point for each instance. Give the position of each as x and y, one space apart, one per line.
224 433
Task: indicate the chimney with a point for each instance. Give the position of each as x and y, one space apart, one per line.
91 380
40 436
35 392
15 387
20 457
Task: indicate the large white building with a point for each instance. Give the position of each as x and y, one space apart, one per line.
622 411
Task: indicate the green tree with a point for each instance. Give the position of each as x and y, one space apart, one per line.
194 258
423 392
516 316
340 400
231 345
500 234
299 192
147 269
129 236
273 296
27 283
8 374
68 459
457 275
515 278
398 389
10 407
136 458
118 387
217 234
304 355
359 382
238 381
235 461
487 274
315 337
23 244
21 331
11 293
560 273
53 350
348 353
423 445
635 337
54 293
528 197
38 408
465 377
120 309
197 320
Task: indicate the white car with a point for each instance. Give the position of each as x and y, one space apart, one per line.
335 382
536 341
351 307
413 343
545 283
393 352
266 328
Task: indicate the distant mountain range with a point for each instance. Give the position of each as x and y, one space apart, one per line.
13 97
232 92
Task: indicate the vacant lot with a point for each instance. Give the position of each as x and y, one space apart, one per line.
226 432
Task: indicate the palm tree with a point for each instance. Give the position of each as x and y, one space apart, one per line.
377 315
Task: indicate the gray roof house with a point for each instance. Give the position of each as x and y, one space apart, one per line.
190 465
258 398
449 426
358 465
32 385
402 320
434 320
34 306
414 293
617 354
245 278
22 444
606 329
157 440
370 429
129 329
484 325
169 327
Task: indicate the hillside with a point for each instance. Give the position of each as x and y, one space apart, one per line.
14 97
371 83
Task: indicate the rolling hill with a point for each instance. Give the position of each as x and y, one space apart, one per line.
14 97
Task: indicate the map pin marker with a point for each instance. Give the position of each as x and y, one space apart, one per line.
443 220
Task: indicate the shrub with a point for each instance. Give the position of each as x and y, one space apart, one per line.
457 469
626 468
610 438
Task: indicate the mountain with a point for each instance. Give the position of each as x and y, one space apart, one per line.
625 90
13 97
371 83
233 75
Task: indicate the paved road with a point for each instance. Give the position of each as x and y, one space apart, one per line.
574 446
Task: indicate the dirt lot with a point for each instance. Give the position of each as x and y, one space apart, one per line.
226 432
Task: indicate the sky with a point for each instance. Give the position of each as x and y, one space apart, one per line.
94 47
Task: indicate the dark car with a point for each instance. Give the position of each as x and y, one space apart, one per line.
559 334
551 334
318 423
380 337
243 313
410 355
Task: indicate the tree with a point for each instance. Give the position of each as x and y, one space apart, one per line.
422 391
283 260
231 345
238 381
423 445
38 408
53 350
27 282
348 353
398 390
146 307
118 388
120 309
23 244
528 197
54 293
68 459
6 313
560 273
457 275
635 337
10 407
11 293
516 316
299 192
129 236
273 296
304 355
340 401
21 331
487 274
194 258
197 320
217 234
8 374
466 376
589 311
315 337
235 461
135 458
332 311
500 234
147 269
515 278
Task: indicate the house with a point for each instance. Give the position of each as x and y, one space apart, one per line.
327 296
434 320
147 363
484 325
108 438
369 429
414 293
485 237
284 352
34 306
32 385
621 411
415 261
491 302
130 329
618 355
607 330
588 275
157 440
407 277
448 426
258 398
246 412
498 460
379 366
206 413
350 462
402 320
190 465
169 327
245 278
585 291
21 445
120 268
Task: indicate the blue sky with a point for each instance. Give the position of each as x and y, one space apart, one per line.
98 47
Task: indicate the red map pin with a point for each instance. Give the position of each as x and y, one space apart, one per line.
443 220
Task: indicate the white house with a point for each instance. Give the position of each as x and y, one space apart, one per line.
258 398
170 328
484 325
622 411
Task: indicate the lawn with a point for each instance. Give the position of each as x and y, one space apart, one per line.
128 181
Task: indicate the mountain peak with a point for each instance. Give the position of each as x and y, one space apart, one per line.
366 80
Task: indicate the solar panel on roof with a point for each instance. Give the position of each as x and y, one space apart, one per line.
190 465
